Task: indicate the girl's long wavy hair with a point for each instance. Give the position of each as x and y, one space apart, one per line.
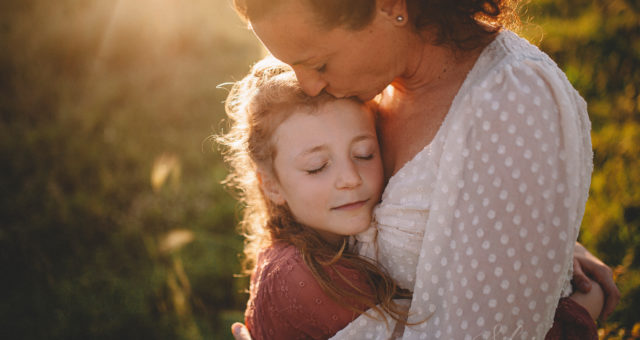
256 106
460 24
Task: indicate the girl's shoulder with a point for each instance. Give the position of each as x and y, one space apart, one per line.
284 263
279 261
281 276
287 301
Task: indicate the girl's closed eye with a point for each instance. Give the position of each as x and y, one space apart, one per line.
321 68
364 150
365 157
317 169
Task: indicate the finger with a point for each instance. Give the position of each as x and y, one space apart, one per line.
603 275
580 279
610 303
240 331
611 293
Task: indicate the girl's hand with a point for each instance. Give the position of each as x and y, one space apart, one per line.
592 301
240 331
586 266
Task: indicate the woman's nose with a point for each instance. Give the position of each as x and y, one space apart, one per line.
310 81
349 177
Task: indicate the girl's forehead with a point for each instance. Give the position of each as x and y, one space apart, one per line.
334 118
339 109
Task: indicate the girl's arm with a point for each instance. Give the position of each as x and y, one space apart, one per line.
593 301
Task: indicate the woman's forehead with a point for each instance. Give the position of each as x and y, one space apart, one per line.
290 33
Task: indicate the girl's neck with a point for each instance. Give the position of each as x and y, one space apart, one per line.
331 238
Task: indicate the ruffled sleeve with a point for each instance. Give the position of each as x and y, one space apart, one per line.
513 181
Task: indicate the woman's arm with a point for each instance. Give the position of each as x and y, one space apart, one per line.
586 266
592 299
513 180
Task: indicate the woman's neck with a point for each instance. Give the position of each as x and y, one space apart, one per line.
413 107
432 69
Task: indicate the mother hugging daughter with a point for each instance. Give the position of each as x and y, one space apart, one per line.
487 159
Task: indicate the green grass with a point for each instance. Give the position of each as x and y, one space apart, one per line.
97 96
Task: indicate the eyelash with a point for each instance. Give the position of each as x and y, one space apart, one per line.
317 170
366 158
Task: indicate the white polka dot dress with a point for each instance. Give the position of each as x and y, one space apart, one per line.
481 223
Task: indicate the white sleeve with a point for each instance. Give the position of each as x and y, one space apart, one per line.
507 206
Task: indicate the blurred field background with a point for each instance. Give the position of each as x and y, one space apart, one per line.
113 221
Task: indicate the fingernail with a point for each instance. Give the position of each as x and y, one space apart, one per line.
585 286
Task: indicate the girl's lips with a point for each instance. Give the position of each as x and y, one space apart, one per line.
351 206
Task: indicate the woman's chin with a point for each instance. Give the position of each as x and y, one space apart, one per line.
368 96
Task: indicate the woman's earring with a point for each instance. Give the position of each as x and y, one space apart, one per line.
399 18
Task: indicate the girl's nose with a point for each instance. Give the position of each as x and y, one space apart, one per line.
349 177
310 81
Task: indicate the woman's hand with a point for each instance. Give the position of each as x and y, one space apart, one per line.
240 331
586 266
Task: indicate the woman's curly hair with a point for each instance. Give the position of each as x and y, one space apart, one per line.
461 24
256 106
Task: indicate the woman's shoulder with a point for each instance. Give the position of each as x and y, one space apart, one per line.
511 48
516 91
511 60
512 71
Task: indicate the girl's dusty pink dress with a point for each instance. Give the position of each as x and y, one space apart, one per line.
287 302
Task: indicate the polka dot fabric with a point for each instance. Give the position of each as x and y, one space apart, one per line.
482 222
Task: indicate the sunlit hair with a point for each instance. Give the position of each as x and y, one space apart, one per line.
461 24
256 106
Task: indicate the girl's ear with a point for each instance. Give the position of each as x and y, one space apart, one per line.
271 188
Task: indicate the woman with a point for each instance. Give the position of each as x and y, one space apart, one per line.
485 147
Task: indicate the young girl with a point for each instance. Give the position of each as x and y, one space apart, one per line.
309 172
